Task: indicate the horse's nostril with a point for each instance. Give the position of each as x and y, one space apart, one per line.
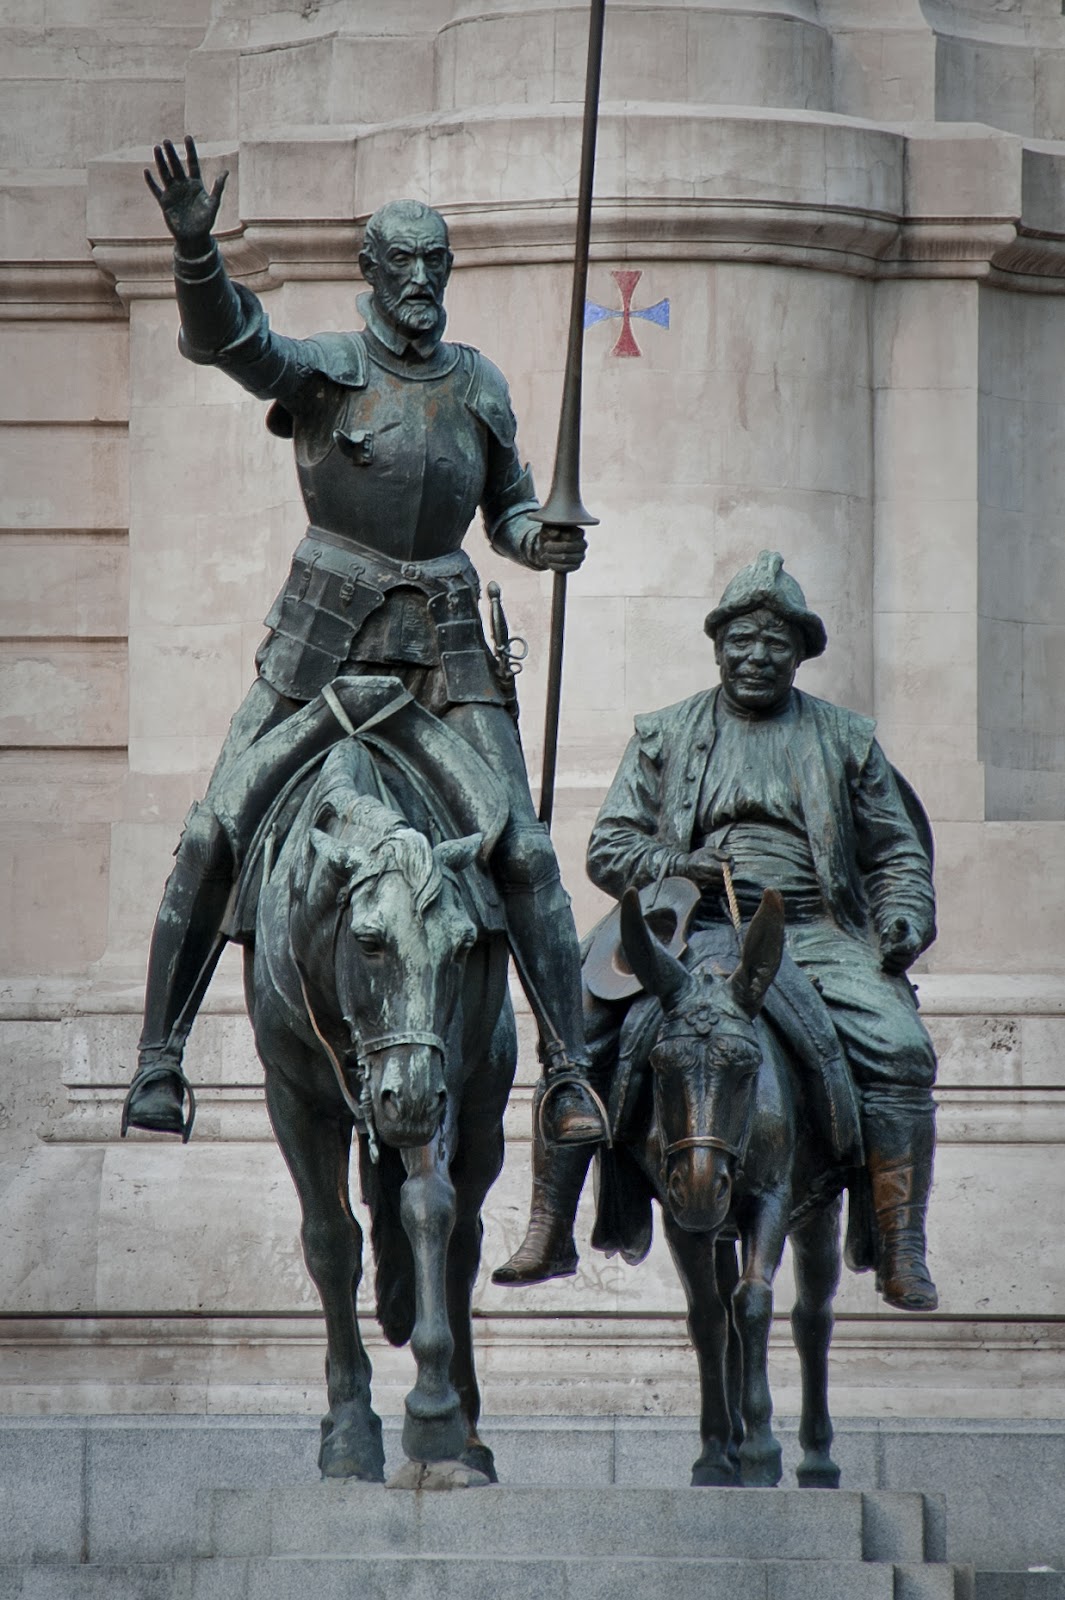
389 1102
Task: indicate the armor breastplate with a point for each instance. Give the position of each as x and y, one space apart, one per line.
398 466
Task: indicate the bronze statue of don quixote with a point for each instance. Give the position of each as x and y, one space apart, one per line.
742 1045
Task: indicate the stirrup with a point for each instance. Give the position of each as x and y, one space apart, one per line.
154 1074
572 1079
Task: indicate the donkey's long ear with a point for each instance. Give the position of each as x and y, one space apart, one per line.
659 971
762 950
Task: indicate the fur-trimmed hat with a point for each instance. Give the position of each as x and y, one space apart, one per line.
765 584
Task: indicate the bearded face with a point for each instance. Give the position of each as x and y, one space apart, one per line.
408 271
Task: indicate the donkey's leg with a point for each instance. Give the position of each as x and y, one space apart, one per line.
434 1429
708 1327
752 1309
728 1276
815 1246
316 1149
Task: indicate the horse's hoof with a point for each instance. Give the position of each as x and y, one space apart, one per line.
760 1468
437 1475
479 1458
817 1473
352 1447
714 1475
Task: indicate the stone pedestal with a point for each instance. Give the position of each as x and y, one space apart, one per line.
828 270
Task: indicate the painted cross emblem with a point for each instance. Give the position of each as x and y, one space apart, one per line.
626 279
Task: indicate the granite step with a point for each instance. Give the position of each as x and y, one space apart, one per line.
485 1577
1036 1585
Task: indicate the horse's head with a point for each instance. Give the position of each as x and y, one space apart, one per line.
705 1059
400 941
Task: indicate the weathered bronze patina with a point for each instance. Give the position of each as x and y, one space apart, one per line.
399 437
795 794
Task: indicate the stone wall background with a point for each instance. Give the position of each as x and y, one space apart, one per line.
856 210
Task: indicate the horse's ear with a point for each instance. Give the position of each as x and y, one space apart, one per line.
657 969
762 950
458 854
331 851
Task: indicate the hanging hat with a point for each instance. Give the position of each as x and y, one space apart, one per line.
668 908
765 584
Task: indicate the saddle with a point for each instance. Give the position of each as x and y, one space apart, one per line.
419 767
798 1015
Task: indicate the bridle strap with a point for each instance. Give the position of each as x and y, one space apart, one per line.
698 1141
346 1095
389 1041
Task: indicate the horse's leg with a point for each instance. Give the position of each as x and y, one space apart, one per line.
708 1327
477 1164
434 1429
317 1150
815 1246
752 1309
728 1276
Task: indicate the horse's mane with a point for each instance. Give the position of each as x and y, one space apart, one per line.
382 837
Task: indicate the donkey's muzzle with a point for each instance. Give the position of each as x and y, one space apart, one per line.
698 1185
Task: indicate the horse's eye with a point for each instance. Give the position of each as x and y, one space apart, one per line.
370 944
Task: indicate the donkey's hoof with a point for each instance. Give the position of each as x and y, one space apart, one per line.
479 1458
352 1446
437 1475
817 1472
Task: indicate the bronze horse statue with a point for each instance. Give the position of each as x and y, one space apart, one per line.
377 992
724 1139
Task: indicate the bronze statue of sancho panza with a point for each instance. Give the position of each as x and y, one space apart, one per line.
399 437
797 795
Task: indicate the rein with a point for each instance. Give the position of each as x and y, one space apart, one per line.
362 1109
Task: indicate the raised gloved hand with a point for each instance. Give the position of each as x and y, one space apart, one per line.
188 210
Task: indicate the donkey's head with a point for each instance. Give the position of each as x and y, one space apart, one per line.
705 1059
401 937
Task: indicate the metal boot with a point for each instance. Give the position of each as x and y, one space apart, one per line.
543 941
899 1129
186 945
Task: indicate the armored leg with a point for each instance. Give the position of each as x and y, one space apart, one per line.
187 942
543 940
540 927
185 948
899 1130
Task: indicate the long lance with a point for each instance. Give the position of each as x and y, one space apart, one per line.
564 506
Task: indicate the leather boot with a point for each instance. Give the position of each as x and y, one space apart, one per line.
186 945
900 1141
548 1249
